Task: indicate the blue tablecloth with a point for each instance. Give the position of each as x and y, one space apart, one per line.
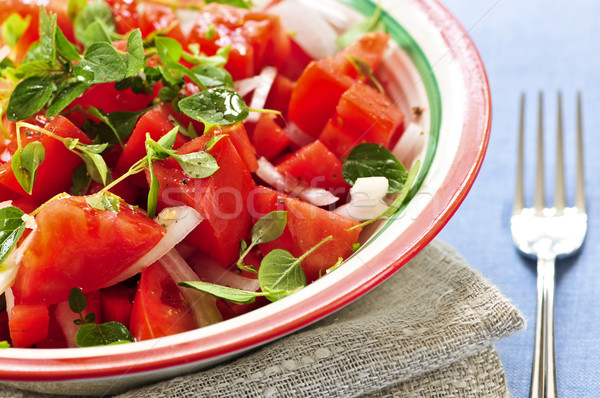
532 46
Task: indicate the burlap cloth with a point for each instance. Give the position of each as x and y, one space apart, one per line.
428 331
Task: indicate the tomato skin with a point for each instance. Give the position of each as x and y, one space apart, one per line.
159 308
28 324
112 243
307 225
116 303
369 48
241 142
155 122
338 139
125 14
54 175
280 95
220 198
316 166
316 95
269 139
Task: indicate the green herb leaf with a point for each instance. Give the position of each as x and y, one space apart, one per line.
365 69
48 26
212 76
404 192
134 59
153 192
98 13
65 96
89 317
25 164
197 164
34 68
77 301
12 226
216 106
168 140
120 124
374 160
280 272
81 181
223 292
169 52
65 48
269 227
28 97
4 344
208 145
74 8
371 24
92 334
104 201
101 63
218 60
236 3
13 28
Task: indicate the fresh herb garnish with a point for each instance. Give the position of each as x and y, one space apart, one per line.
4 344
13 28
25 163
104 201
266 229
12 227
92 334
93 23
374 160
365 69
216 106
370 24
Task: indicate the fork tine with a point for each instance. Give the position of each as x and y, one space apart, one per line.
539 201
559 188
519 201
580 188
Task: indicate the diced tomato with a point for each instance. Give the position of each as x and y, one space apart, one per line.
54 175
95 246
124 189
125 14
220 198
241 142
316 95
106 97
28 324
269 139
298 60
155 122
307 225
368 114
369 48
230 310
280 94
116 303
315 166
337 139
159 18
256 39
159 309
56 337
26 204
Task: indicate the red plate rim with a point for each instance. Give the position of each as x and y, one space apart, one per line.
447 199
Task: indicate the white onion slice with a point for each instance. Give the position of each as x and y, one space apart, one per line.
261 92
8 270
203 305
317 196
210 271
297 136
65 317
179 221
10 302
367 199
410 145
4 52
316 37
187 20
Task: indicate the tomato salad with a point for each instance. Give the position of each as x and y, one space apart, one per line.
168 165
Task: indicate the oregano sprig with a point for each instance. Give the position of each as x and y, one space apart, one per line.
266 229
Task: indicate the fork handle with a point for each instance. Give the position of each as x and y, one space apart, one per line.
543 374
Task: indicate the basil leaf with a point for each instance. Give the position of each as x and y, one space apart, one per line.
28 98
217 106
197 164
212 76
13 28
65 96
101 63
223 292
134 59
65 48
97 11
25 164
269 227
81 181
374 160
12 227
92 334
77 301
370 24
280 272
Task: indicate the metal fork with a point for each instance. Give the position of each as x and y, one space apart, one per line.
548 233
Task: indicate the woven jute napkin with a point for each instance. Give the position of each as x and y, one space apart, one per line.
428 331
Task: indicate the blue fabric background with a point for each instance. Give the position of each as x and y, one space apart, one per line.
528 46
